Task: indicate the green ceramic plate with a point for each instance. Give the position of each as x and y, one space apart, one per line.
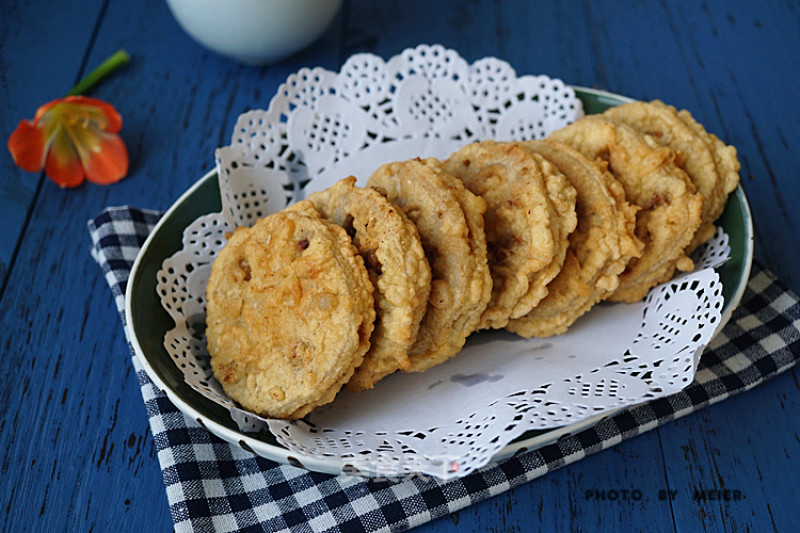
148 322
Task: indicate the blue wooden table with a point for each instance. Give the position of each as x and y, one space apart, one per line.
76 453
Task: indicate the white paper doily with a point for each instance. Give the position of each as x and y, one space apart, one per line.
322 126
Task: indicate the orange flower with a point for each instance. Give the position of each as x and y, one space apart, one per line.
72 138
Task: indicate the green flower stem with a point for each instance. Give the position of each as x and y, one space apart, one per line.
118 59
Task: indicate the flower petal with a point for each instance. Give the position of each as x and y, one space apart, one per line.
43 109
26 145
63 165
108 162
72 138
103 113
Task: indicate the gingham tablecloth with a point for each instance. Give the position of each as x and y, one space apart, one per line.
214 486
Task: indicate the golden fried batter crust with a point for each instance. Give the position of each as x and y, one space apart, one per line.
517 220
433 200
712 167
599 248
289 314
670 208
561 196
392 251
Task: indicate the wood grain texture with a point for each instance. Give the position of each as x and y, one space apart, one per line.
748 445
78 427
77 454
94 469
617 491
34 69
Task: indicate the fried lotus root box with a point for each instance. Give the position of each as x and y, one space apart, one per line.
289 314
669 207
430 252
599 249
390 245
530 211
451 227
710 164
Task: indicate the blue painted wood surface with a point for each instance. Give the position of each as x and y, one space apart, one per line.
77 454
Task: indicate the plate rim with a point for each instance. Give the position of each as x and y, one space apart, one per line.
736 297
335 466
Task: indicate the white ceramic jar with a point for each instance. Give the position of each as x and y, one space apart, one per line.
254 32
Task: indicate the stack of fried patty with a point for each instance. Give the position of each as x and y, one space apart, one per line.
355 283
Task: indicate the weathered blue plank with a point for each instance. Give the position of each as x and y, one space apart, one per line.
387 28
734 465
35 67
616 490
552 38
94 466
74 434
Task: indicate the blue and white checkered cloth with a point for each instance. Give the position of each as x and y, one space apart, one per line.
215 486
